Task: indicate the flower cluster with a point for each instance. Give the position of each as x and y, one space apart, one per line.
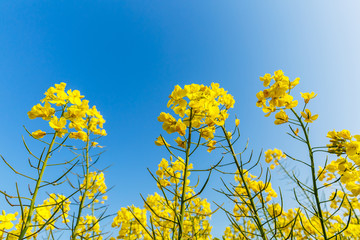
82 119
163 211
277 96
275 155
169 173
55 204
95 185
198 106
258 187
6 221
347 168
131 221
14 233
343 142
89 228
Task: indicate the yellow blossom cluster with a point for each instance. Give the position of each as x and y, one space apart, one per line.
300 226
13 234
293 222
205 106
54 208
254 187
89 228
277 96
275 155
341 199
163 211
45 213
131 222
308 96
169 173
343 142
247 228
346 169
95 185
296 224
348 173
82 119
308 117
6 220
351 205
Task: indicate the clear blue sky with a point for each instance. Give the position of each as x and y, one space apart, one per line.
126 56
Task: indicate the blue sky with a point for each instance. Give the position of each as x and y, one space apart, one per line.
126 57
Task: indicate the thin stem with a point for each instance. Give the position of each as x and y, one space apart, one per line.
83 197
182 199
26 225
314 176
252 204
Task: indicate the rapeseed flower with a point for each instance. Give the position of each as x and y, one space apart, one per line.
38 134
308 96
204 106
308 117
73 110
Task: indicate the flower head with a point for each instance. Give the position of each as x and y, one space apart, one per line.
308 117
308 96
281 117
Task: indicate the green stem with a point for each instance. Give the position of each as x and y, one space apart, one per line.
92 214
26 226
182 200
248 192
313 173
83 196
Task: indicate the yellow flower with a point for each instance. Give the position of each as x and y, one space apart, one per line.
229 135
269 110
211 145
308 96
278 75
161 142
308 117
57 124
274 154
5 220
294 83
352 148
169 122
180 142
74 97
45 112
266 79
96 144
261 99
237 122
96 184
180 127
288 101
56 95
206 105
79 135
345 134
296 132
208 132
38 134
281 117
